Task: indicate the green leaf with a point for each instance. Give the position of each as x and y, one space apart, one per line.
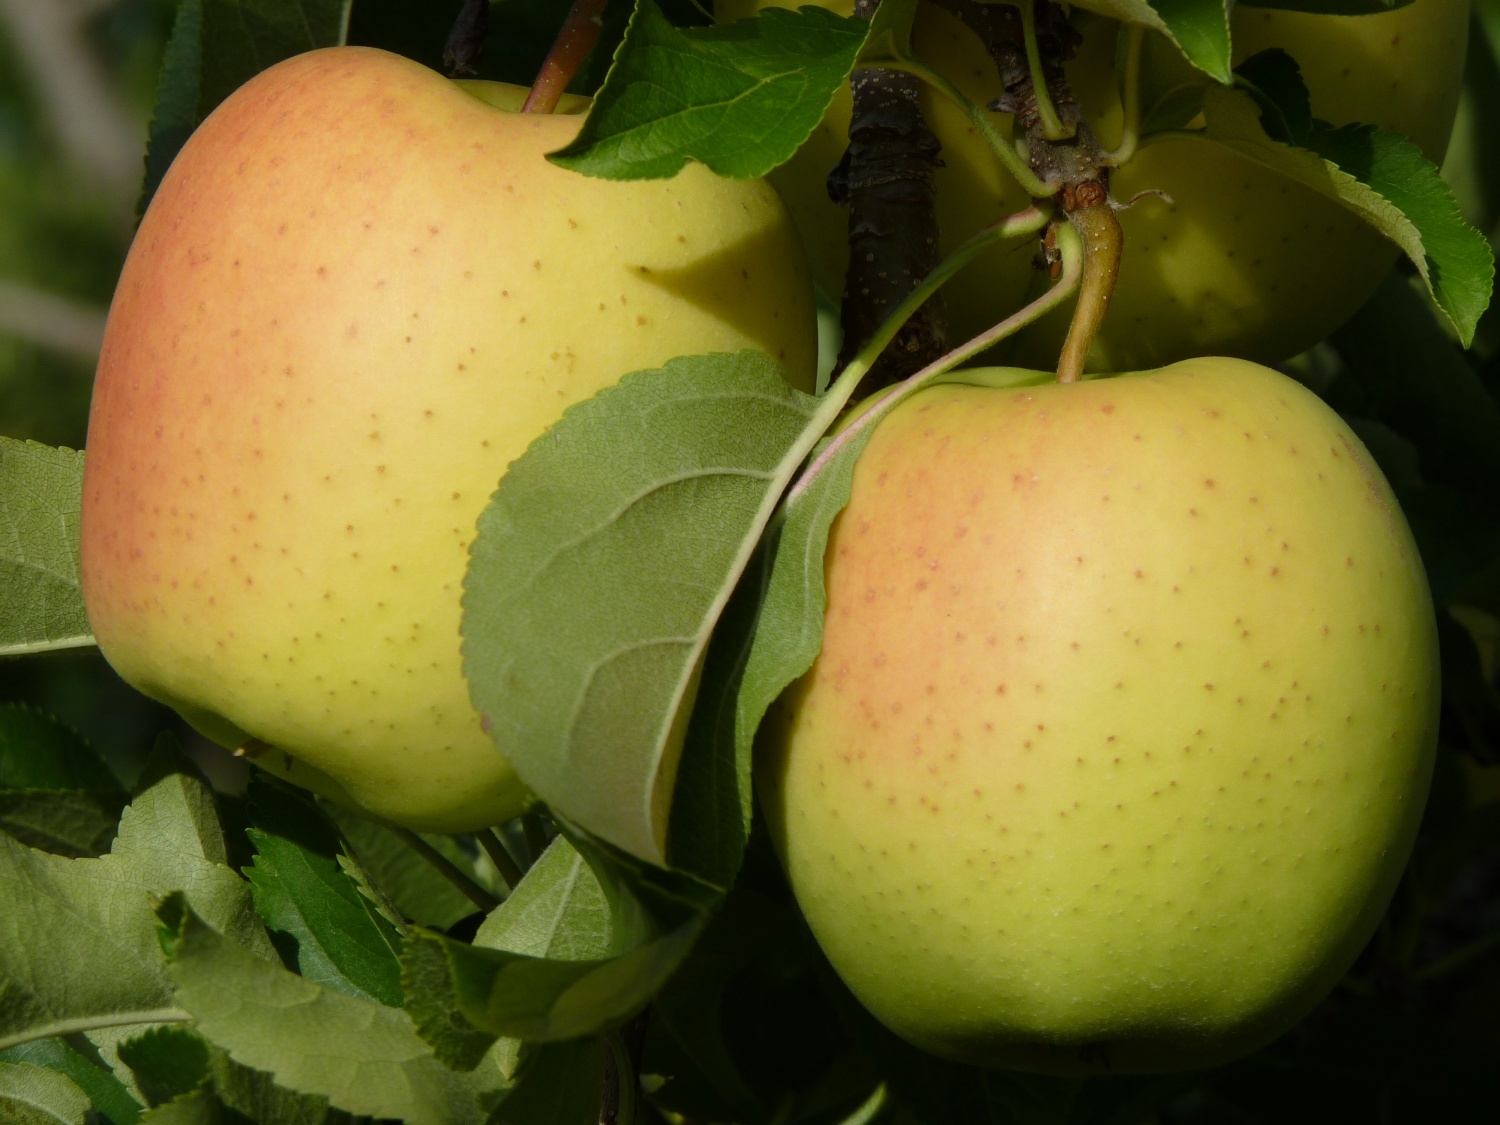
39 752
1199 28
558 911
1330 7
560 1084
41 605
599 569
217 46
168 1062
177 88
463 998
61 822
592 950
362 1056
1383 178
61 919
1419 383
404 877
197 1108
255 1094
34 1095
339 937
739 98
105 1092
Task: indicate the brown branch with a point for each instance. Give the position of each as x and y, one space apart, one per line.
886 178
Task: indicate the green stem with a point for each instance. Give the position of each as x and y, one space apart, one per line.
445 867
1130 130
494 847
1069 246
1053 127
979 117
94 1023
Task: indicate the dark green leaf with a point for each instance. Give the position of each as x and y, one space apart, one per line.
301 891
560 1084
105 1092
177 89
39 752
63 823
1275 81
1330 7
599 569
41 605
1418 382
168 1062
739 98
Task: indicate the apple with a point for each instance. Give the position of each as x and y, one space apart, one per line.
1242 261
1122 724
359 294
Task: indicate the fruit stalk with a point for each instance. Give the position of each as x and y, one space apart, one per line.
580 31
886 178
1091 213
1028 48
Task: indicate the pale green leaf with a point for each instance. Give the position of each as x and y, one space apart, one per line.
60 919
600 567
34 1095
362 1056
41 603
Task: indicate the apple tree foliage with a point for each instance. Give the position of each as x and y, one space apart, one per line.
176 951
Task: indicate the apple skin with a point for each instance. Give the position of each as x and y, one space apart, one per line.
1242 262
1123 721
359 294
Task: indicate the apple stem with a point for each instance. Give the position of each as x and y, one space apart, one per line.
1091 213
1053 126
495 848
445 867
580 31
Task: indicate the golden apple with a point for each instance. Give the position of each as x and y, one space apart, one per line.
359 294
1243 261
1122 724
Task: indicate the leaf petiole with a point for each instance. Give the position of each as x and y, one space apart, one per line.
1069 245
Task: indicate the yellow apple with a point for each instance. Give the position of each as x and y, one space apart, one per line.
1243 261
359 294
1122 724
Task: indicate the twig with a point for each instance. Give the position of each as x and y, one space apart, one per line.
495 849
446 868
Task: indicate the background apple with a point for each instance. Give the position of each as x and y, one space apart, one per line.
1242 262
358 295
1122 723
